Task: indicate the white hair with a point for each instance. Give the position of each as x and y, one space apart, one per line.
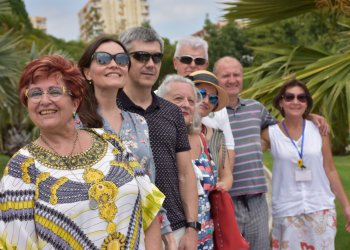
164 88
194 42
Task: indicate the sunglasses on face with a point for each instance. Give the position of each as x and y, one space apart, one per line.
104 58
188 60
144 57
54 93
213 99
288 97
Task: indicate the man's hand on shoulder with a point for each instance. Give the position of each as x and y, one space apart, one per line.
321 123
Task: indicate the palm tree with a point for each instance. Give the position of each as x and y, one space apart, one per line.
325 73
268 11
5 7
11 62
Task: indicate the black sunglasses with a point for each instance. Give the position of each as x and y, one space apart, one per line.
213 99
104 58
288 97
143 56
189 59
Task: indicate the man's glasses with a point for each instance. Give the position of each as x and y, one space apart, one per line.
54 93
288 97
104 58
213 99
188 60
144 57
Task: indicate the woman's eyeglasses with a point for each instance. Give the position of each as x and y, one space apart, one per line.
188 60
213 99
144 57
104 58
288 97
54 93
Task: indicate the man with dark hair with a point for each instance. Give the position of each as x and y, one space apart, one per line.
168 135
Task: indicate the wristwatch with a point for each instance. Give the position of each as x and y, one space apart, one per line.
194 224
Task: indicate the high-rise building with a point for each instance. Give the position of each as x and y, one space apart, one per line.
111 16
38 22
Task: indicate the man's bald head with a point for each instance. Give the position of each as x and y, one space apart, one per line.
226 60
229 72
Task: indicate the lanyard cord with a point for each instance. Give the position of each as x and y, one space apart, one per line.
300 153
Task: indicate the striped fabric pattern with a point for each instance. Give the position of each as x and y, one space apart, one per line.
246 121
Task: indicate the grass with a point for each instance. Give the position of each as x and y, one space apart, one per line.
342 240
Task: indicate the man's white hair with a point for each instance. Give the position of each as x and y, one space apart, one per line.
194 42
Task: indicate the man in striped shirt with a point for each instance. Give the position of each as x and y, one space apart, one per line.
247 119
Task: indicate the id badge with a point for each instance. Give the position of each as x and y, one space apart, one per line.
303 175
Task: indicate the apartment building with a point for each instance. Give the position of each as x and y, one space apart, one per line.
111 16
38 22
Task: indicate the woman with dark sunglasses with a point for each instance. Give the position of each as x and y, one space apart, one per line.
214 98
105 64
305 181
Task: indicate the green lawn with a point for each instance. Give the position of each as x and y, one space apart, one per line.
342 163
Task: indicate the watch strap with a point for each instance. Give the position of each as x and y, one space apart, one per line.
194 224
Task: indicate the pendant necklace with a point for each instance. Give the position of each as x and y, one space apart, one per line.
300 153
93 204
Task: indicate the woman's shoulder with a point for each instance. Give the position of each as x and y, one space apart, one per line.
310 124
127 115
20 163
311 129
105 135
275 126
273 129
22 154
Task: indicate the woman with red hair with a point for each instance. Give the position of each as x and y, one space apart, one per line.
71 188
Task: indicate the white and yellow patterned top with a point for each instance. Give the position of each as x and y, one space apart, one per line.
44 198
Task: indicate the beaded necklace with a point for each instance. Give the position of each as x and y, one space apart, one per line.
102 196
93 204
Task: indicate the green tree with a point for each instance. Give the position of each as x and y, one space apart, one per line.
19 10
19 43
11 61
226 40
5 7
167 61
323 65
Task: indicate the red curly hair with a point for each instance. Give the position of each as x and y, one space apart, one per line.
56 66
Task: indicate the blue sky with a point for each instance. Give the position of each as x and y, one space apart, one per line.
173 19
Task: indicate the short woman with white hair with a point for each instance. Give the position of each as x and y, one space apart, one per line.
195 105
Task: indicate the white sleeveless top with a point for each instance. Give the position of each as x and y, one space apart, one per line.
291 197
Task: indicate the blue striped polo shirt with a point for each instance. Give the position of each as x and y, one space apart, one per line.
247 120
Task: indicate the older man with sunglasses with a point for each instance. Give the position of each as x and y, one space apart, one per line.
191 54
168 135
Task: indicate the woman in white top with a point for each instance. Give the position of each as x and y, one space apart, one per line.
305 181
